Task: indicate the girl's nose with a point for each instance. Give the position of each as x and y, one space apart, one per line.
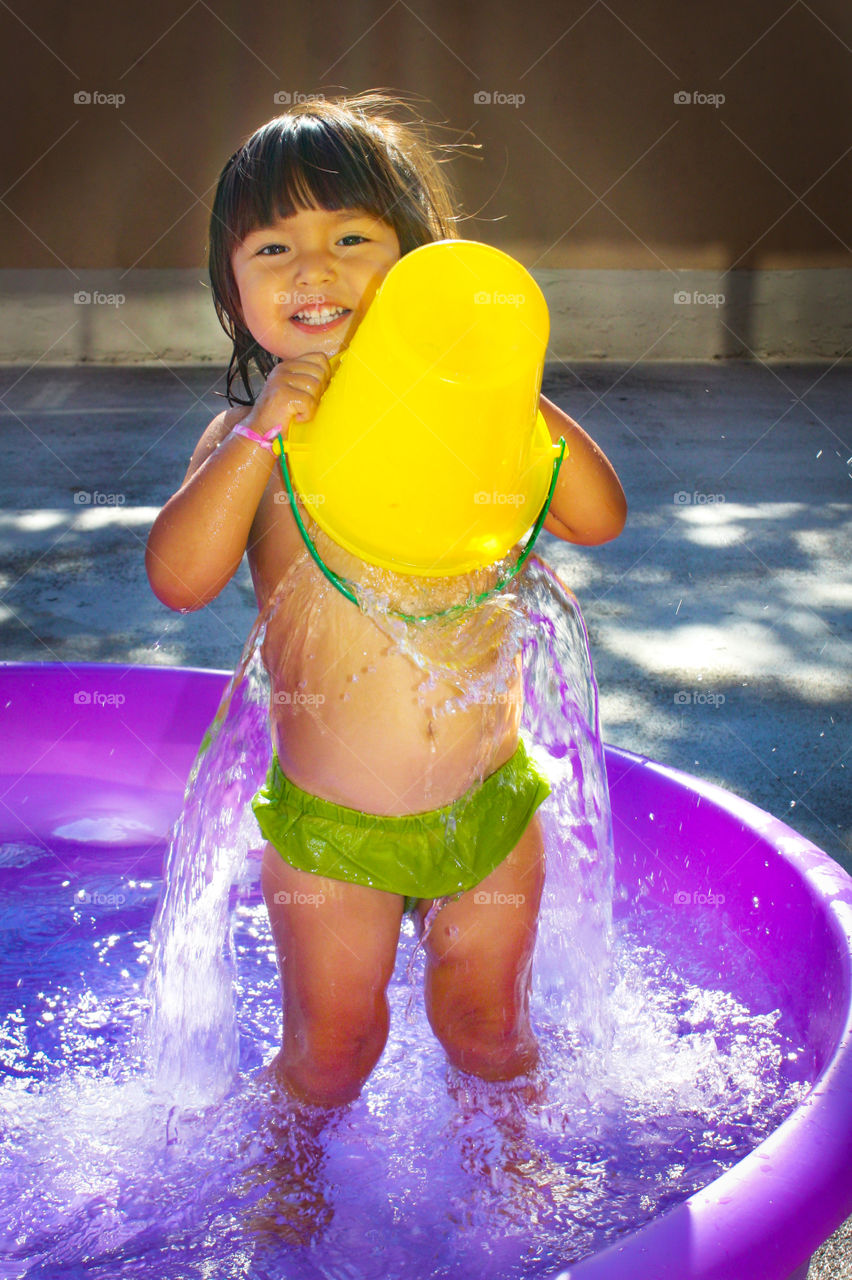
314 267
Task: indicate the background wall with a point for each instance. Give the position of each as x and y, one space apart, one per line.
630 153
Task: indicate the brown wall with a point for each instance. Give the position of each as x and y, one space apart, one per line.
598 167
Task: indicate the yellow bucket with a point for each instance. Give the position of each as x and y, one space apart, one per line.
427 454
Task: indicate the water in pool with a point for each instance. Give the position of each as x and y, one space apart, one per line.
143 1142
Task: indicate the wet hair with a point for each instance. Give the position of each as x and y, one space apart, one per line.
342 153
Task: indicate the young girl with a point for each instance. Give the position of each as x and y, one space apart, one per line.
375 803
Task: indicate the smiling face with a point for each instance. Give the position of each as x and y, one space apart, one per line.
306 281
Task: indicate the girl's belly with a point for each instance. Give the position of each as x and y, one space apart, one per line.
357 722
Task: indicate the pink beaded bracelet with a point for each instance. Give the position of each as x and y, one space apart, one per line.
264 441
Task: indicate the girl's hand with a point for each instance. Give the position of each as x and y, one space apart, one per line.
292 390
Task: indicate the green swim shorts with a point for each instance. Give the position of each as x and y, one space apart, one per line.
420 855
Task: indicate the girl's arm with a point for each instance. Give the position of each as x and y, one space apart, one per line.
588 505
197 541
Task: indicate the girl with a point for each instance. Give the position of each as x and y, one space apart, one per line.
375 803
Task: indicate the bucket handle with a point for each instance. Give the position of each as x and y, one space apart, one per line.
345 588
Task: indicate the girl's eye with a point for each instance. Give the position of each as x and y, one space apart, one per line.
353 237
270 250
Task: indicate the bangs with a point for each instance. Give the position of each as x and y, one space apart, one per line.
301 162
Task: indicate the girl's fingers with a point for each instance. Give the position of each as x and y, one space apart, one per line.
301 407
303 381
314 365
292 390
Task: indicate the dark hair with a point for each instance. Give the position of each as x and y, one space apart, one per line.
342 153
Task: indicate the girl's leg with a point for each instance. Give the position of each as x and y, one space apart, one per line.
336 946
478 967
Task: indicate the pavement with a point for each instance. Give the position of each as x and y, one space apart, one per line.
719 621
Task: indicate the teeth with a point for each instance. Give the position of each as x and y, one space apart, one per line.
319 317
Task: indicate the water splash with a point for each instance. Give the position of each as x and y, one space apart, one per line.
189 1040
561 717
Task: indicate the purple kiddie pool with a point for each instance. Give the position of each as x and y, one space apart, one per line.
106 749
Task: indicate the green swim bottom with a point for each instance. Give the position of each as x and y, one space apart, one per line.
419 855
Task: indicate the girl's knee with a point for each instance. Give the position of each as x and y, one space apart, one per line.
329 1052
491 1040
346 1028
492 1049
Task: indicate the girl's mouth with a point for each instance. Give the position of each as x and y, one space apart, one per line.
319 319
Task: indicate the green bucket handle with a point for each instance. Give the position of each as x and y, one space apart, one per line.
345 588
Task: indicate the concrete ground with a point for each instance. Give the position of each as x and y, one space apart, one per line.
719 621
